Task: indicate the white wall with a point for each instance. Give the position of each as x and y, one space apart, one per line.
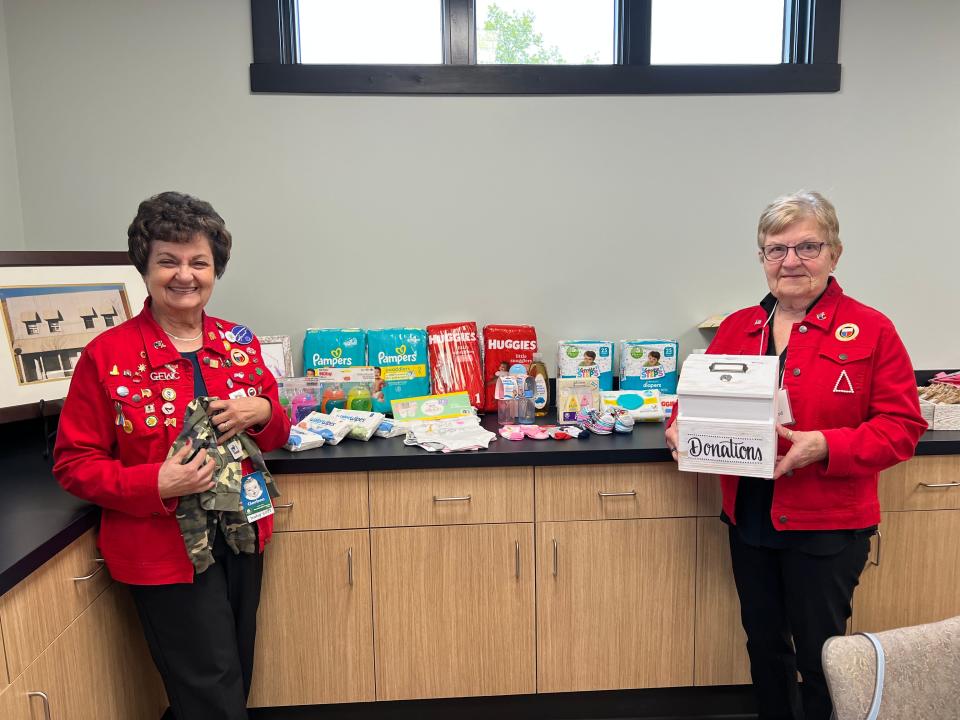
11 220
605 216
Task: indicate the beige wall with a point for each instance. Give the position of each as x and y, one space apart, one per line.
604 216
11 220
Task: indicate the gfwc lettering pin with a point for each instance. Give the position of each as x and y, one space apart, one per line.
847 332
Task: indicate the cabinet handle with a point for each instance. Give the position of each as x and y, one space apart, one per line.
284 506
940 485
629 493
451 499
879 540
46 702
554 557
84 578
517 558
350 566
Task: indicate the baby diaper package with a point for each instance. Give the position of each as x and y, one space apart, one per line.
455 360
503 347
574 358
399 357
333 348
649 365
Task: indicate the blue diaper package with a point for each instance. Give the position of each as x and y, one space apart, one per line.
334 348
399 356
649 365
583 358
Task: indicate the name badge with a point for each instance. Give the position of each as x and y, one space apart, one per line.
784 412
236 449
254 498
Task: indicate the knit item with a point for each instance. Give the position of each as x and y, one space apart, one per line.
596 422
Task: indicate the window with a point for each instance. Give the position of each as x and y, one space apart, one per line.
88 322
33 328
53 325
109 320
545 46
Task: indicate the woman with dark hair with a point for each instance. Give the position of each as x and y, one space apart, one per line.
166 419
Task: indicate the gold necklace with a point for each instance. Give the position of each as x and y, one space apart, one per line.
183 339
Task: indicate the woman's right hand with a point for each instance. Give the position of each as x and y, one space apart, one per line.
177 479
672 436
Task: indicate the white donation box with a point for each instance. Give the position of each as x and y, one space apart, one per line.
727 414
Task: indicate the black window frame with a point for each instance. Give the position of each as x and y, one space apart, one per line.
811 42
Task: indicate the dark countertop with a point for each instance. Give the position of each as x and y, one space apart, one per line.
38 518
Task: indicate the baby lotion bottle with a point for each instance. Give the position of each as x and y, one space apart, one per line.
541 395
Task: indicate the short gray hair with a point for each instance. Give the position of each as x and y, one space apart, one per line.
785 211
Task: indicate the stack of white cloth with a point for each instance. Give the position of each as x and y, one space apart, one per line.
450 435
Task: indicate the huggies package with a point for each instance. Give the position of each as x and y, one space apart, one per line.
649 365
399 358
503 347
455 360
333 348
575 355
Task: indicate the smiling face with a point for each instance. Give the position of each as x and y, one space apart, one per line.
793 280
180 276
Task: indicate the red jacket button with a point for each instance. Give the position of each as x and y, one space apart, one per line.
783 519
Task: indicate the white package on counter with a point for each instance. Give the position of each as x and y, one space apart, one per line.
301 439
329 428
363 424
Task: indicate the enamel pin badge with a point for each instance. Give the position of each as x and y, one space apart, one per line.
847 332
843 384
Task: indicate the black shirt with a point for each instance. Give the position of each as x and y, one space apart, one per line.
755 500
199 386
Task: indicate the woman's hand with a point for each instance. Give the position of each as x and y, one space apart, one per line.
672 436
233 416
177 479
808 448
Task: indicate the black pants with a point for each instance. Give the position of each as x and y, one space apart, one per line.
202 635
784 595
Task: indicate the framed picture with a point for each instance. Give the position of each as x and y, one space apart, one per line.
275 350
51 305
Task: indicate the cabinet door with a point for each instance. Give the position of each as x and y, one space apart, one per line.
721 644
454 610
917 579
615 604
97 669
314 628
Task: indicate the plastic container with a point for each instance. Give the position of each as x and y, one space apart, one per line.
359 398
515 404
541 386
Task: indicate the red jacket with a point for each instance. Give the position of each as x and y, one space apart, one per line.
874 427
117 466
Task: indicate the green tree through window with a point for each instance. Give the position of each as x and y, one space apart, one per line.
517 43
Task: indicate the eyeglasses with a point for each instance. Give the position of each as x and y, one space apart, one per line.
804 251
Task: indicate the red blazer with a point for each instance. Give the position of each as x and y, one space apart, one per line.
116 466
874 427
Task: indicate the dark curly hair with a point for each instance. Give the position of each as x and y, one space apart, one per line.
177 217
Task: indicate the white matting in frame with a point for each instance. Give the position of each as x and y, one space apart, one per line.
275 350
47 316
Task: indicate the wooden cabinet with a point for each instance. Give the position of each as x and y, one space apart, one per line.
38 609
615 604
314 635
97 669
605 492
321 501
721 643
922 483
447 497
454 610
913 574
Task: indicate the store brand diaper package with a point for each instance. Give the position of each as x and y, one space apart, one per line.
574 358
503 347
333 348
649 365
399 356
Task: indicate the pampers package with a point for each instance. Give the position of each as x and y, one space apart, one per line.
455 360
503 347
399 357
572 355
649 365
333 348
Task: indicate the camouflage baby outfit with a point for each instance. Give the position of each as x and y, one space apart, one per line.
200 513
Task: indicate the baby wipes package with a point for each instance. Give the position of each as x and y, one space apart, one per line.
328 427
649 365
575 358
363 424
642 405
399 358
301 439
333 348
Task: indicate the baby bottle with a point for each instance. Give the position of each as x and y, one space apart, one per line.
333 397
359 398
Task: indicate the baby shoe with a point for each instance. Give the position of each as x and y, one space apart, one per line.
623 420
597 422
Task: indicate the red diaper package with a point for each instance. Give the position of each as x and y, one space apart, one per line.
455 360
503 347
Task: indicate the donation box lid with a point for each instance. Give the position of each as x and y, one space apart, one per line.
729 376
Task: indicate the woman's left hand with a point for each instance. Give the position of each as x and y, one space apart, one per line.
808 448
233 416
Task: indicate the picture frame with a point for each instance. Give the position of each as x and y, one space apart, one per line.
52 303
275 351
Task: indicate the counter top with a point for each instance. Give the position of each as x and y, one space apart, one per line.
38 518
